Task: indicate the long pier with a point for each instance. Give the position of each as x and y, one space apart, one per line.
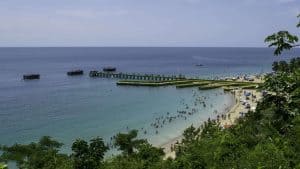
134 76
180 81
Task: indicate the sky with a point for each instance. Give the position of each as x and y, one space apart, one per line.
203 23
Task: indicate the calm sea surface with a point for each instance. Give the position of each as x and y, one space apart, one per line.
67 108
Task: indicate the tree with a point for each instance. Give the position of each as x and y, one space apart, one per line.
88 156
48 143
266 155
294 64
41 155
275 66
3 166
190 134
80 154
149 153
97 149
282 40
128 142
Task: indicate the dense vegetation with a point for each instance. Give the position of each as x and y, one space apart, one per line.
266 138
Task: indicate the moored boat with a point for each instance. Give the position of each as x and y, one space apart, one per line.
75 72
31 76
109 69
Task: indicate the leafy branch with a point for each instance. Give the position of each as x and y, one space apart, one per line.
283 40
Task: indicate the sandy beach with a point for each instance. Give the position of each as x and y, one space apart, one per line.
245 100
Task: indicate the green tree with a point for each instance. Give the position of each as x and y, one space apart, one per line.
149 154
41 155
282 40
190 134
3 166
266 155
128 142
275 66
295 64
88 156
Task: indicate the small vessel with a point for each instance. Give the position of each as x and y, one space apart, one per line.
31 76
75 72
109 69
199 65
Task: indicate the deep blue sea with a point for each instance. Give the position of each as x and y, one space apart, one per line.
67 108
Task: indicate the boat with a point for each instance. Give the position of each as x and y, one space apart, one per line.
31 76
109 69
199 65
75 72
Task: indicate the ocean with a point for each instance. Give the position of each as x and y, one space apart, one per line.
68 108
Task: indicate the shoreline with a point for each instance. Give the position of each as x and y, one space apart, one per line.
229 117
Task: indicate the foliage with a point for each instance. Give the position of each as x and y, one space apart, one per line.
88 156
41 155
283 40
3 166
190 134
128 142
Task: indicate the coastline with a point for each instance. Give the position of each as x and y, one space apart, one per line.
227 119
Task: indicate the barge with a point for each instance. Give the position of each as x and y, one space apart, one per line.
109 69
75 73
31 76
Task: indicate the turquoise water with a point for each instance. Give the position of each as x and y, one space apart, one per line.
100 108
67 108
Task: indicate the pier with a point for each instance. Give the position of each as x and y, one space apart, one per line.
180 81
136 76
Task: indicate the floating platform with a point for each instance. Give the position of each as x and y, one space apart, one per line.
193 84
75 73
151 83
31 76
210 86
109 69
